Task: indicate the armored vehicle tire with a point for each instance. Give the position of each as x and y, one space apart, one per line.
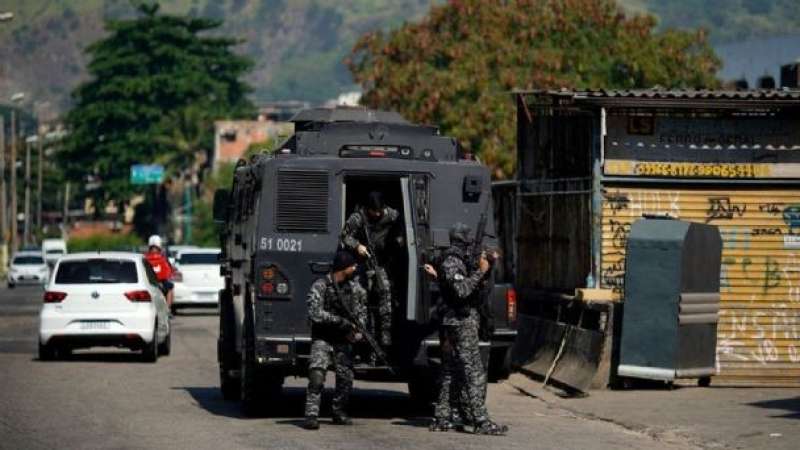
231 387
227 356
260 389
422 388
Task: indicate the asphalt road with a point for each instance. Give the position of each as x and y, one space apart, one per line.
104 398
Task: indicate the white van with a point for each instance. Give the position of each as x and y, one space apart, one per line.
52 249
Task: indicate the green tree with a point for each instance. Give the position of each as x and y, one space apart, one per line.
156 82
457 67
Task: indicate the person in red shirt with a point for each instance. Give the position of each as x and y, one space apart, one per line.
161 266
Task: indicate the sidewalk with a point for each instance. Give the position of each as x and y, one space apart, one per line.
752 418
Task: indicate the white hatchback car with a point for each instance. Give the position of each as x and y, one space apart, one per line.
104 299
27 267
197 279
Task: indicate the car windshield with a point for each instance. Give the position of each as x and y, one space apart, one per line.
96 271
199 258
28 260
54 251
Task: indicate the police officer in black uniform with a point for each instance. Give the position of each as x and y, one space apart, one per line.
332 336
462 288
373 223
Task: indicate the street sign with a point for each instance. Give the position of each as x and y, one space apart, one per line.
147 173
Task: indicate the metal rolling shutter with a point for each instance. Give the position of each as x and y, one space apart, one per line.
759 330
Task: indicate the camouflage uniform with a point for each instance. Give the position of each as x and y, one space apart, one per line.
462 382
330 345
451 403
353 235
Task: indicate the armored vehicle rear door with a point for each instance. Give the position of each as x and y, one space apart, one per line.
418 231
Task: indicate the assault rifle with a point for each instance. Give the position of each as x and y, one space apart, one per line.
476 249
372 260
477 246
360 328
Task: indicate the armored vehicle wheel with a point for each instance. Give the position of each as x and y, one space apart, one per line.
259 388
230 386
228 358
704 382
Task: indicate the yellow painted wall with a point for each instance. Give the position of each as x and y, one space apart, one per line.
758 339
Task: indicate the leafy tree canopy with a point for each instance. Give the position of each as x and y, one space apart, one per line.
457 67
156 84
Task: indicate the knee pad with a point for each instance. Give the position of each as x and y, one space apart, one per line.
316 380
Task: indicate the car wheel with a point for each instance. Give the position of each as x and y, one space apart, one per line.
11 285
63 352
165 348
46 352
150 351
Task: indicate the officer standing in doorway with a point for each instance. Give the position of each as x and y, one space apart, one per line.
334 303
366 232
463 371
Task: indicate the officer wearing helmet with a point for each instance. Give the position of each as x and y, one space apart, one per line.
160 265
462 382
372 223
332 336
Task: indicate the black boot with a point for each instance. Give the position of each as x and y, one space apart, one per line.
342 419
490 428
439 424
311 423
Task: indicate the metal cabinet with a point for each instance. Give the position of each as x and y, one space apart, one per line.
671 302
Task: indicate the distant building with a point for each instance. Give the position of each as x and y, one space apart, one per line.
232 138
281 111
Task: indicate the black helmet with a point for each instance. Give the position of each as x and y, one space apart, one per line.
375 201
459 233
342 260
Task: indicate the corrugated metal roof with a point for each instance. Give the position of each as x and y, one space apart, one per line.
672 94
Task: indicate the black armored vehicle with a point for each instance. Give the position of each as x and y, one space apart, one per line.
281 224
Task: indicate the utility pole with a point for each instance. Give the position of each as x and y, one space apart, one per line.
3 194
26 229
39 183
13 187
187 211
